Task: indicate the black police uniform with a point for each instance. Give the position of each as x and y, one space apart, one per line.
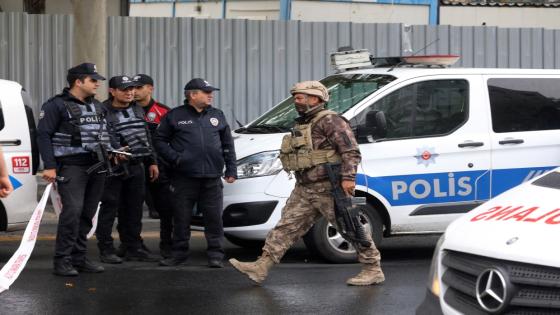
197 146
68 131
158 195
125 193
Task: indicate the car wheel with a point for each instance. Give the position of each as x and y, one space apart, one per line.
325 241
244 242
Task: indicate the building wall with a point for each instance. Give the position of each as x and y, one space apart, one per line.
151 9
500 16
359 12
205 10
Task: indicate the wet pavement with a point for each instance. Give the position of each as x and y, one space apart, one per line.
301 284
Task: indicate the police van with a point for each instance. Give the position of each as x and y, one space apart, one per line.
436 142
498 258
17 138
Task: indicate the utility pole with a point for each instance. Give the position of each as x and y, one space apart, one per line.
90 36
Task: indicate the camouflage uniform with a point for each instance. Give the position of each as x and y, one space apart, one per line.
320 136
312 197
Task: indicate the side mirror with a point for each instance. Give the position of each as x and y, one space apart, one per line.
375 127
377 123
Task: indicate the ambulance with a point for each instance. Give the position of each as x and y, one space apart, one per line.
17 138
501 258
436 142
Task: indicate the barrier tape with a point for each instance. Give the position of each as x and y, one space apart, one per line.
10 272
57 205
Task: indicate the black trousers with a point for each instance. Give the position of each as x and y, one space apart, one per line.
125 195
80 194
207 194
159 197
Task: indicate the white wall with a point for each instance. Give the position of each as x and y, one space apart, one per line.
359 12
11 5
58 6
151 9
203 10
500 16
253 10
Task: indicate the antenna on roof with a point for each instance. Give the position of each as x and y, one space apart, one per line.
413 54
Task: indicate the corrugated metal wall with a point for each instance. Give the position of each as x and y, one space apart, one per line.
36 50
253 62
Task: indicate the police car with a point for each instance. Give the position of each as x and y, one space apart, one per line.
501 258
436 142
17 138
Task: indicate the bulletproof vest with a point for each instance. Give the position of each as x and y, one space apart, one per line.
84 131
297 153
130 126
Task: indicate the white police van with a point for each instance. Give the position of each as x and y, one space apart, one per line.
501 257
17 138
436 142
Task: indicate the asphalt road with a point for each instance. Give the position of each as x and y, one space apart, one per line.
300 284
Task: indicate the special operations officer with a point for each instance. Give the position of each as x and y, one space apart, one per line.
70 127
322 137
125 193
196 141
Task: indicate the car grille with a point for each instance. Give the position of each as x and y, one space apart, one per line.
534 289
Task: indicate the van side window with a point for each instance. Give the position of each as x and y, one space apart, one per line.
524 104
422 109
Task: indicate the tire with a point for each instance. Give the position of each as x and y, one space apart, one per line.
244 242
324 241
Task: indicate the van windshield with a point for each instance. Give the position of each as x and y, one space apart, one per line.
346 90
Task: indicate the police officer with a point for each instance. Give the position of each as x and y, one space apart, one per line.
125 193
321 136
70 127
158 195
196 141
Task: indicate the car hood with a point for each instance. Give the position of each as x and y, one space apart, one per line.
249 144
521 224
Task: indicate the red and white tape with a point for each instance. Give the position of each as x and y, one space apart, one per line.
57 205
15 265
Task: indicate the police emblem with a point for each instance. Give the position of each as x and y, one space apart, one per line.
151 116
42 114
214 121
426 156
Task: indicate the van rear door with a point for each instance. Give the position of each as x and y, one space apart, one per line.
15 138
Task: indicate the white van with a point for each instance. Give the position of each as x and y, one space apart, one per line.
501 257
17 138
435 142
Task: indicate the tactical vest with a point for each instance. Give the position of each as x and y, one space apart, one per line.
130 126
87 129
297 153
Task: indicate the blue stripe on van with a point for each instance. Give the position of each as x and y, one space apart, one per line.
16 183
431 188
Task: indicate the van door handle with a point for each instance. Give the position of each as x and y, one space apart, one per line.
14 142
470 144
511 141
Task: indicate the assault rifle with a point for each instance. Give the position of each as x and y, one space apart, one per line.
105 163
345 210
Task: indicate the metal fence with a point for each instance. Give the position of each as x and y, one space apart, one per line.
253 62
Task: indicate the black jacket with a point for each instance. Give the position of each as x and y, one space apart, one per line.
54 117
197 144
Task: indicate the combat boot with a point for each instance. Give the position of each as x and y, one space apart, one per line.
256 271
370 274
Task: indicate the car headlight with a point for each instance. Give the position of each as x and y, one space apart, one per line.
260 164
433 280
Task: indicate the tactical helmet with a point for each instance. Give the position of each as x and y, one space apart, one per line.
314 88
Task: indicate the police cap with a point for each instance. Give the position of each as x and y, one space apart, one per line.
86 68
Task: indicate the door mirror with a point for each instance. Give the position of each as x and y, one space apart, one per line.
375 127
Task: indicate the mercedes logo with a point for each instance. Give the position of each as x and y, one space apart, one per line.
491 290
